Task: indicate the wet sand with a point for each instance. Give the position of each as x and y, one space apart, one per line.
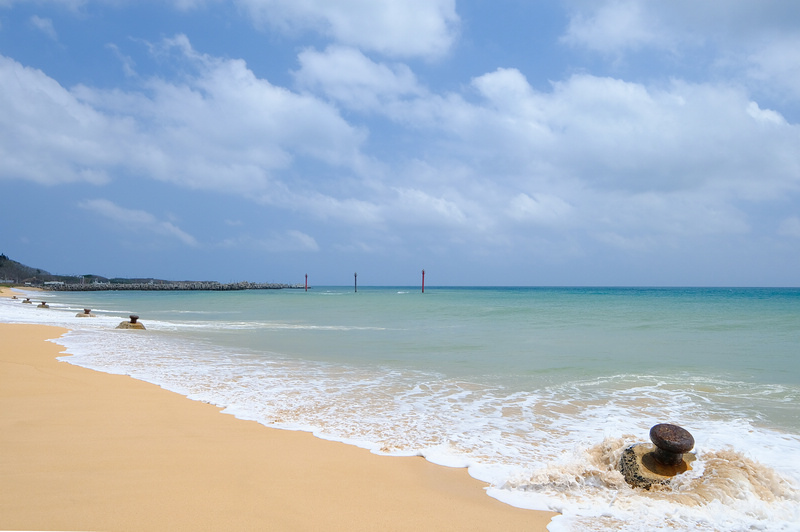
84 450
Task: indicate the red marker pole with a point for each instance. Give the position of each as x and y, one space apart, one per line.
423 281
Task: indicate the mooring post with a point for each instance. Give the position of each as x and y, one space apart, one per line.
423 281
355 281
306 282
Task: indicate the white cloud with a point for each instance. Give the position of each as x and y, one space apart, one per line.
618 25
349 210
414 206
758 41
595 154
348 76
48 136
405 28
304 241
137 221
776 61
221 128
45 25
226 129
765 116
617 135
614 25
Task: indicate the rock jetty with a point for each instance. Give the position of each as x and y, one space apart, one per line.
181 285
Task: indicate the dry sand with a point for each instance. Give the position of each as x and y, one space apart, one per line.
84 450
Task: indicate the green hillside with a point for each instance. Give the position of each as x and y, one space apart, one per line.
11 270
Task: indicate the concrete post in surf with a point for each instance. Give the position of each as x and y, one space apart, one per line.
355 281
133 324
423 281
644 465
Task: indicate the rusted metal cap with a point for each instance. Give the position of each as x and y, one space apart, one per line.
671 443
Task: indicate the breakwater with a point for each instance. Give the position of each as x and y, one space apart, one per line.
181 285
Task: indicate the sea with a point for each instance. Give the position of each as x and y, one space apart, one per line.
537 391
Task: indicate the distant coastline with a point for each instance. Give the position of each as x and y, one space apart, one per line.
181 285
13 273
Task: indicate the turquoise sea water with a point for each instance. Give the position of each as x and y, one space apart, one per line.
536 390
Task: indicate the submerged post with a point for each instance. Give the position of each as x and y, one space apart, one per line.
133 324
355 281
645 465
423 281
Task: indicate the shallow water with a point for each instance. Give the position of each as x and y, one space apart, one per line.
536 390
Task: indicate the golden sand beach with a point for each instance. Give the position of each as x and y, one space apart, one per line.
84 450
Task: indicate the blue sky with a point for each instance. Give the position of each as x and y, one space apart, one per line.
574 142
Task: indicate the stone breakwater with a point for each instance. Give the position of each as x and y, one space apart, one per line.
183 285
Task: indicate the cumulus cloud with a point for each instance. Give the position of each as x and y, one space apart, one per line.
346 75
421 28
48 136
219 128
593 152
224 128
612 134
137 221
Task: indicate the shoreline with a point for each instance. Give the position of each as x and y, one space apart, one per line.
87 450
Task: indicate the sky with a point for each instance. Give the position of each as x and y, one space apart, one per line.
503 142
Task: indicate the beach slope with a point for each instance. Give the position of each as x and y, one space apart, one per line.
83 450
